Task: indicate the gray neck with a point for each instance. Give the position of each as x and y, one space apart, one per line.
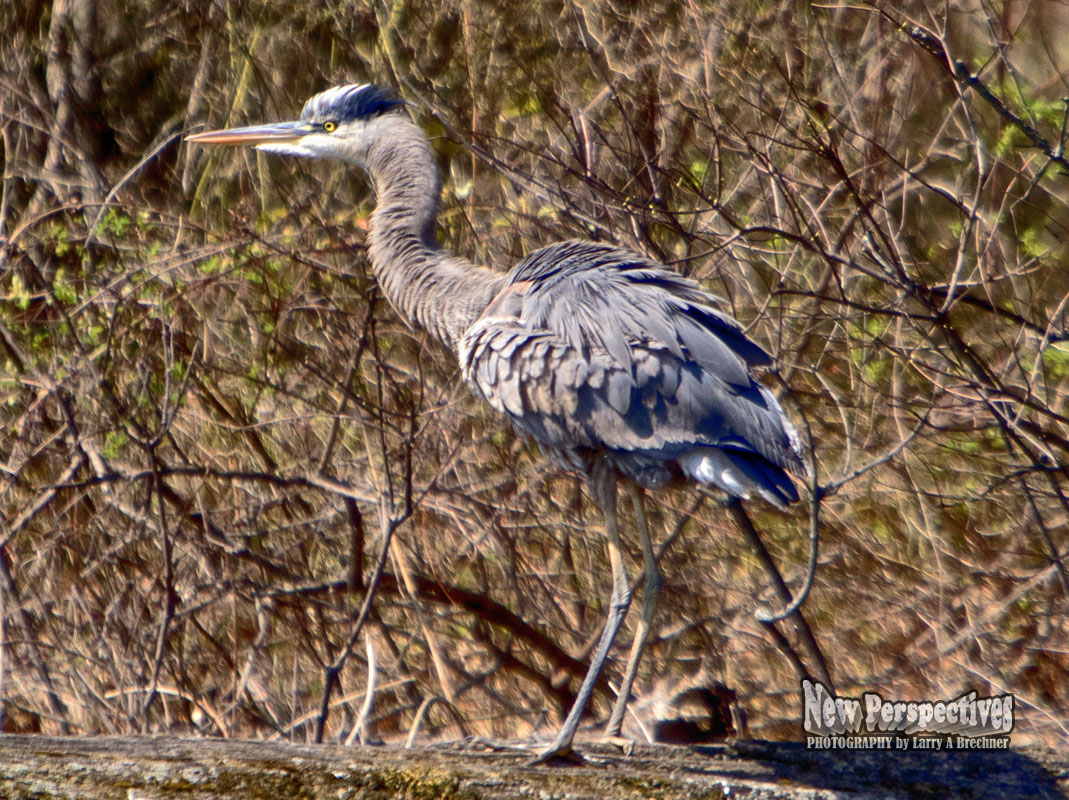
437 291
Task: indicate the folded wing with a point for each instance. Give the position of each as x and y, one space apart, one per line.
593 349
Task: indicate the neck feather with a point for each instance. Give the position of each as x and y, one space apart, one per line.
442 293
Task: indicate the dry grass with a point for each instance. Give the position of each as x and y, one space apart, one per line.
212 422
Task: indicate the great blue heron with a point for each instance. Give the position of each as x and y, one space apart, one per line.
615 365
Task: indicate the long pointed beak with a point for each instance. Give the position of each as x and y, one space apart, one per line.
273 133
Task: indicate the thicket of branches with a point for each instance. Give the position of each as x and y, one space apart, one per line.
211 421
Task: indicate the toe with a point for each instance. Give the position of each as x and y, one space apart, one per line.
558 755
625 744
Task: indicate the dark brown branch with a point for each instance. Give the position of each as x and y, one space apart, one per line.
958 70
742 519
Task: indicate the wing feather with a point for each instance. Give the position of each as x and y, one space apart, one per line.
592 348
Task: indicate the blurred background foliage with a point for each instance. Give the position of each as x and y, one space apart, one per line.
211 419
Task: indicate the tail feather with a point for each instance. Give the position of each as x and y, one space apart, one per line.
739 473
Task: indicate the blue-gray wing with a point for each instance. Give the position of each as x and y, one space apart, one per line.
592 349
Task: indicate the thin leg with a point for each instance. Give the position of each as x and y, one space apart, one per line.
651 590
603 487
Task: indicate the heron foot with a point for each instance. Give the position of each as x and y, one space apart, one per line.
559 754
625 744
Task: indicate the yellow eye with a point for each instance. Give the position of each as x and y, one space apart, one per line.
330 127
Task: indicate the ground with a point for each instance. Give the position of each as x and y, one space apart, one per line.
158 768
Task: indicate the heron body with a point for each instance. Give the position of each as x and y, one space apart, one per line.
615 365
598 352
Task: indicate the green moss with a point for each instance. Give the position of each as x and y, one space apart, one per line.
422 784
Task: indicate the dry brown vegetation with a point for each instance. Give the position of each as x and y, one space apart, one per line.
211 420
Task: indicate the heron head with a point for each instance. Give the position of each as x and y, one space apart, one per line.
337 123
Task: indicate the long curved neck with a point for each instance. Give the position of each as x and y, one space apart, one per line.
430 287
